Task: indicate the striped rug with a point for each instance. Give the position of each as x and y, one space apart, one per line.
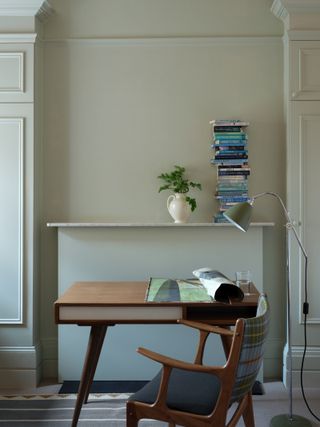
56 411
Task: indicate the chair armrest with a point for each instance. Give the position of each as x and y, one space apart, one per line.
180 364
207 328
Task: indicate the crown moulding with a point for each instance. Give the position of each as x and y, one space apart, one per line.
283 8
39 8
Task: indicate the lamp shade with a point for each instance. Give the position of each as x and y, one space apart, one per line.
239 215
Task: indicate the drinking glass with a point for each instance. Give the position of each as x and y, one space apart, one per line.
243 279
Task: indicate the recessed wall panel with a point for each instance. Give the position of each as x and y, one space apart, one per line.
11 215
16 72
305 79
310 205
11 71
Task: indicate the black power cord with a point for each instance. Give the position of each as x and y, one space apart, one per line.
305 312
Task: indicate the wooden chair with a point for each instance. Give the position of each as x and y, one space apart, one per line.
197 395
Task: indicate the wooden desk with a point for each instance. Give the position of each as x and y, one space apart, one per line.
103 304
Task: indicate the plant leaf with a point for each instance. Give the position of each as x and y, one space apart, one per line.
192 203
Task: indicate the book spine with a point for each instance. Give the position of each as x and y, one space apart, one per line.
229 161
231 150
227 128
233 173
233 155
226 122
231 139
229 142
234 187
235 178
233 168
236 199
230 195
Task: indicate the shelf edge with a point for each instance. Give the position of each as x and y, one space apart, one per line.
146 225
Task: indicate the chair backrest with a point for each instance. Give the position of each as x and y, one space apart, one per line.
252 349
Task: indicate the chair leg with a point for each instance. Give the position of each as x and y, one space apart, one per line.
248 415
132 420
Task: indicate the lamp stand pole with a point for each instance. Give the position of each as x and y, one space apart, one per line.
288 420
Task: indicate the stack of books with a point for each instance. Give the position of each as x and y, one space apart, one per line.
231 158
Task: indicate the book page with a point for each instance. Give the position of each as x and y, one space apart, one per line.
212 285
174 290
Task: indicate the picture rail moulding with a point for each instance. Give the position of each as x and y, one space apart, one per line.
164 41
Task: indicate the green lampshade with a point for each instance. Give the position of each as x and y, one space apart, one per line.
239 215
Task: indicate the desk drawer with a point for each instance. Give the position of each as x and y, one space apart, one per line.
77 314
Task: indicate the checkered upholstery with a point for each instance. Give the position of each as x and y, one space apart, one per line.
251 355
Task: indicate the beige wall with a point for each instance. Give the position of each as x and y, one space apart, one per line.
125 98
143 18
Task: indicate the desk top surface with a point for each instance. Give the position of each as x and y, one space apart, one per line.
133 293
104 293
89 303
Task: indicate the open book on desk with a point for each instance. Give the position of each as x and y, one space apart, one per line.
192 290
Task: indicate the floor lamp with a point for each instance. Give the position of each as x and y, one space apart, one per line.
240 216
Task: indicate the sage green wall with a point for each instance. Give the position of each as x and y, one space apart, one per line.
129 90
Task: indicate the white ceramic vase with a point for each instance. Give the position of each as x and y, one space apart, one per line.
178 208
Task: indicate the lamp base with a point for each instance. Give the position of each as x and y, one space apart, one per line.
289 421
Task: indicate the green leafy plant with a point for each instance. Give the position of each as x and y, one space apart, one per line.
176 182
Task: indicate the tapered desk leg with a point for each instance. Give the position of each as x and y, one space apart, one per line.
95 359
97 334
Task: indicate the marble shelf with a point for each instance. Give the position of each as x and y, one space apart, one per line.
146 224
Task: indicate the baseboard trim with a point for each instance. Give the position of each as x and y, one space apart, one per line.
19 366
49 360
311 368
